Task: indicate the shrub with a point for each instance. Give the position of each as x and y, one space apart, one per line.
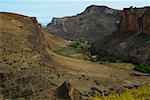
109 59
104 59
83 45
141 93
142 68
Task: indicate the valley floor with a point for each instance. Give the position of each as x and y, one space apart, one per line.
100 77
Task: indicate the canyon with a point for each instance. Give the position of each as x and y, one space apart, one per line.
120 33
30 67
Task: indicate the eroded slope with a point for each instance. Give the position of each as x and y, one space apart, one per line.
30 69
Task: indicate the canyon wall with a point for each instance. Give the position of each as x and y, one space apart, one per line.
135 20
93 24
124 33
132 40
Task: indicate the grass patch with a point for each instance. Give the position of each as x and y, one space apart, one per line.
108 59
141 93
115 61
76 49
73 53
82 45
142 68
79 49
126 66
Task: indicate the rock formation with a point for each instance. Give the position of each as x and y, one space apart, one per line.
29 69
135 20
67 91
145 21
131 28
132 41
92 24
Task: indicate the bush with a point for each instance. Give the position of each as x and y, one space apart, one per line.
83 45
105 59
140 93
142 68
109 59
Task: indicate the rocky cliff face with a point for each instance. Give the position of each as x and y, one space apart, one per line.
133 39
145 21
92 24
135 20
131 29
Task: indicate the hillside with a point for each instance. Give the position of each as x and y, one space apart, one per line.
132 41
92 24
120 33
22 56
30 69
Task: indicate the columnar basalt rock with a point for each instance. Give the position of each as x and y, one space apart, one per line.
135 20
145 23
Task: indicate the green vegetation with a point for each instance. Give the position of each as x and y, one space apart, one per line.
79 49
141 93
126 66
73 53
76 49
104 59
109 59
142 68
83 45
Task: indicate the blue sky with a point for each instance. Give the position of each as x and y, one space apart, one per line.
45 10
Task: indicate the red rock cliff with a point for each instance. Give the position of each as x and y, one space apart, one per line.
135 20
145 25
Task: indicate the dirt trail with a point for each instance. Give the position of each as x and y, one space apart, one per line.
73 64
80 66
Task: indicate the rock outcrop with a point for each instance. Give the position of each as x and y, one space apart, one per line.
145 21
67 91
132 41
92 24
135 20
112 32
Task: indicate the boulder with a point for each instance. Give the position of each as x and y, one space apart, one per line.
67 91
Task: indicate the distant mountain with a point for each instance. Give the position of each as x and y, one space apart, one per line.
92 24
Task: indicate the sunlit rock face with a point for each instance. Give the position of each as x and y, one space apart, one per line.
135 20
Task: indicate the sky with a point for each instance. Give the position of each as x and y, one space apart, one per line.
45 10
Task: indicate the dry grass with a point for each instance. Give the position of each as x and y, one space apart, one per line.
141 93
72 52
